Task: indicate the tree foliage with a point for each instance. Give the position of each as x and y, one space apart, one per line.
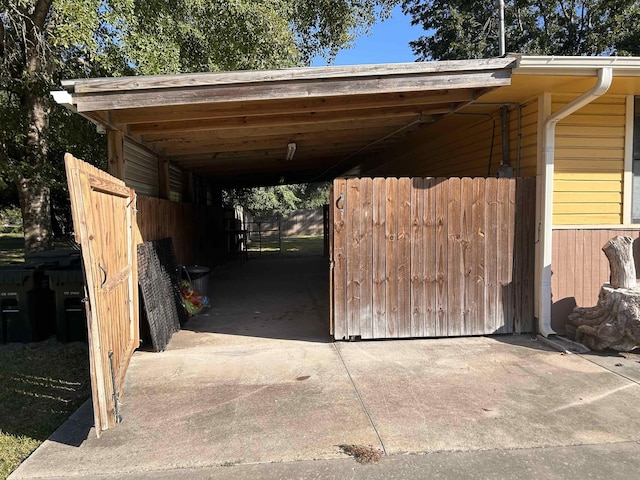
462 29
44 41
278 201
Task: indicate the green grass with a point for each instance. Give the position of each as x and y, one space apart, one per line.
11 248
40 386
296 246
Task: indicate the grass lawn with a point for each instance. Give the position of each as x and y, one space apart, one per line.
11 248
297 246
41 384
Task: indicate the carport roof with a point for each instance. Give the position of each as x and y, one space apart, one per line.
236 126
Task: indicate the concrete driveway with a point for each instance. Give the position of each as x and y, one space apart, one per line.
257 381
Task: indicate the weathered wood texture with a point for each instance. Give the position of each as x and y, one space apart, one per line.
619 252
579 268
103 209
427 257
194 229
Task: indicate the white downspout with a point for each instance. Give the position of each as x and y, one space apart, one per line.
605 76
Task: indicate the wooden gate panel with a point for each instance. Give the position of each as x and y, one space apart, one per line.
339 258
433 257
366 258
379 271
103 217
417 294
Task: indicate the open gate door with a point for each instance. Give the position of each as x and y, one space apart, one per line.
103 211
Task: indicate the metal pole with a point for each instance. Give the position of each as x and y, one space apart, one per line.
502 35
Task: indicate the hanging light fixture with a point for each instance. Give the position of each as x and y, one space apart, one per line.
291 151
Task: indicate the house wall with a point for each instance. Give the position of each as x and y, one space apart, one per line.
589 162
470 148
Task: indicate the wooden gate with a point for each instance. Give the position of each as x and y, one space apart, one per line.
103 218
432 257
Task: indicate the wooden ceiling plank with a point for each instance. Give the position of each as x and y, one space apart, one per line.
268 131
156 114
283 120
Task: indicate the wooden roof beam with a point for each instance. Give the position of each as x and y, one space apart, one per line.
274 91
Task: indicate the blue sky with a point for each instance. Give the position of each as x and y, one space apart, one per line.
388 43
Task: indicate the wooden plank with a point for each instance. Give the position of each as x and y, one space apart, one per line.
493 318
441 240
331 213
391 247
528 262
418 300
430 259
285 90
340 261
353 72
366 258
353 257
404 257
478 254
468 261
504 323
115 148
379 259
455 273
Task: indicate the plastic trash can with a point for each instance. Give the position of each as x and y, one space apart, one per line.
71 319
199 278
24 305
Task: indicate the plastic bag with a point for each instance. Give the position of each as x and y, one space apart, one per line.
193 301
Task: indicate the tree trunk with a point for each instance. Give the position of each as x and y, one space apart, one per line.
619 251
33 193
615 321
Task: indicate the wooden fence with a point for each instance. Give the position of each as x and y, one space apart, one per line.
579 268
196 230
432 257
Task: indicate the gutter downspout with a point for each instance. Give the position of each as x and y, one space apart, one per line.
605 76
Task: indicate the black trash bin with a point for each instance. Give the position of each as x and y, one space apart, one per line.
24 304
68 288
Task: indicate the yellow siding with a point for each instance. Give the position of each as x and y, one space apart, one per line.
589 162
462 146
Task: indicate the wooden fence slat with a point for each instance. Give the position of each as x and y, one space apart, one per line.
366 258
404 257
353 257
504 323
478 247
430 254
468 260
379 259
491 322
518 259
418 299
339 258
391 225
455 274
442 200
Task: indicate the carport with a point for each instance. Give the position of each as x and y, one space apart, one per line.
410 257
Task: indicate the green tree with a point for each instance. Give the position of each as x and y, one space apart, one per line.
265 203
462 29
43 41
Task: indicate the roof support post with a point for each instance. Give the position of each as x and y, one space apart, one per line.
545 227
115 153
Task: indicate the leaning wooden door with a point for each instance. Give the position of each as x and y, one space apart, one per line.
103 209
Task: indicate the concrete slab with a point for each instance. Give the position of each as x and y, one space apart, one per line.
625 364
254 389
488 393
605 462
